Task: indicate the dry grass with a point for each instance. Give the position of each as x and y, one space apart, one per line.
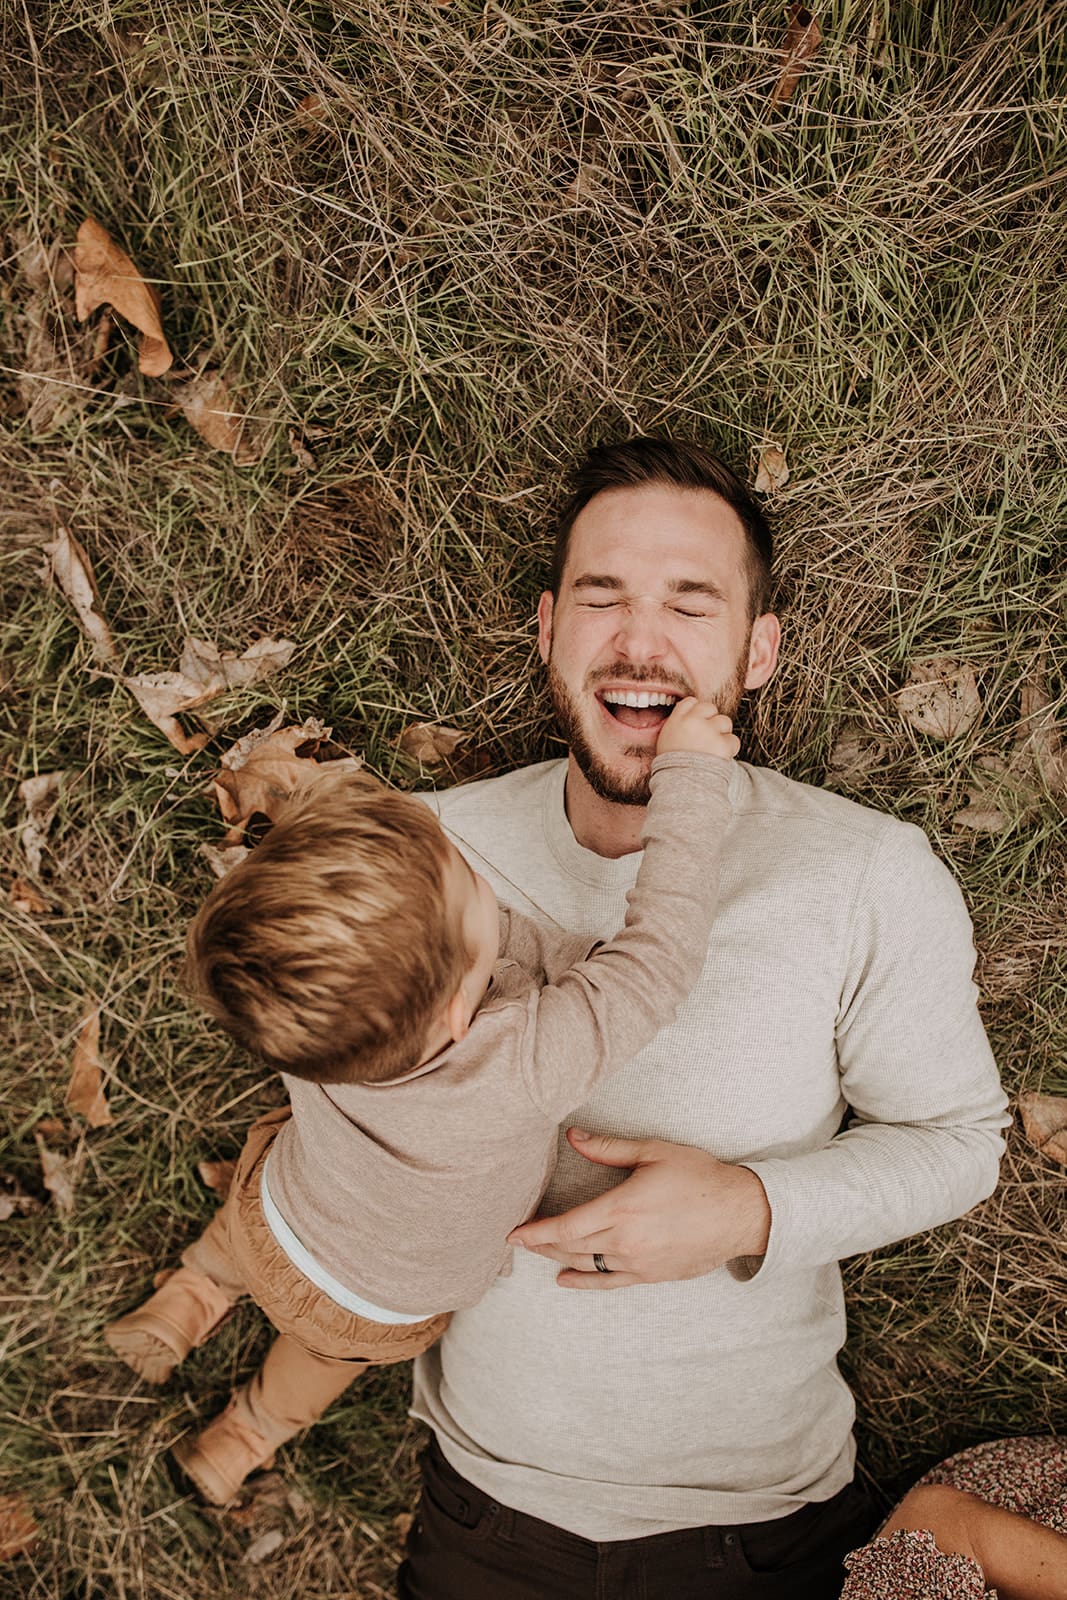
503 233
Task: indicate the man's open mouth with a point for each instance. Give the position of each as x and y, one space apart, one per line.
639 708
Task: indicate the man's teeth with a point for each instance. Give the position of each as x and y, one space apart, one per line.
617 697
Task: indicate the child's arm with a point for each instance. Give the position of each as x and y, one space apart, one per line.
546 953
611 1005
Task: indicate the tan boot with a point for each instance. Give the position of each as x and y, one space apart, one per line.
182 1314
221 1456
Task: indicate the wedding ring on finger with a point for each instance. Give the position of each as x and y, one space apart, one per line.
599 1263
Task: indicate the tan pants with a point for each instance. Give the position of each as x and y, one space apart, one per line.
320 1347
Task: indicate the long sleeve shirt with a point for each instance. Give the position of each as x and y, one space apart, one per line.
403 1193
833 1044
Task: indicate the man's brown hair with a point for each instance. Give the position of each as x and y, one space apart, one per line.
636 462
329 950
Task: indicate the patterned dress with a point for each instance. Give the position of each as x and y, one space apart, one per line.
1024 1475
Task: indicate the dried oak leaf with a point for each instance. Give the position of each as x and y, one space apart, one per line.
431 744
773 471
217 1176
70 570
24 897
18 1531
85 1093
60 1174
222 858
260 775
204 674
802 40
205 404
1045 1123
40 796
940 697
105 275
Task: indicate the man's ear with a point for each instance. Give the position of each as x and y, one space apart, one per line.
458 1016
763 649
544 624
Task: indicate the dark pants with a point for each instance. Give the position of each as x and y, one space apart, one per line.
465 1546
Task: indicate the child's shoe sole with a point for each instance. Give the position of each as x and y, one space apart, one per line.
219 1458
184 1312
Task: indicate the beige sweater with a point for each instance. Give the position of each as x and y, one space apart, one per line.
837 985
404 1192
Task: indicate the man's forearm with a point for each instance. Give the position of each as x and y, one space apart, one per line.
875 1184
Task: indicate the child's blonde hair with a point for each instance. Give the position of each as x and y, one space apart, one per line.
329 950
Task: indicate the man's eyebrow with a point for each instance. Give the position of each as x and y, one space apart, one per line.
676 586
697 586
597 580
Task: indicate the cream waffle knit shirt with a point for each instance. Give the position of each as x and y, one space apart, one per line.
837 989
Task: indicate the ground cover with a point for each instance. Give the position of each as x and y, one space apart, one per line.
435 250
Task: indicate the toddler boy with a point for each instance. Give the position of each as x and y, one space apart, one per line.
356 952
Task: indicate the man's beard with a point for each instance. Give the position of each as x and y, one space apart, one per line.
633 789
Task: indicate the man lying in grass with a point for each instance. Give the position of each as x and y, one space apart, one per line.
433 1043
827 1088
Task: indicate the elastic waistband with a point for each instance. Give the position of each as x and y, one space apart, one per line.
305 1262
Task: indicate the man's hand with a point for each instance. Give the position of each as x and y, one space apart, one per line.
680 1213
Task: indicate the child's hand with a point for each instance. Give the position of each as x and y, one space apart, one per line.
698 725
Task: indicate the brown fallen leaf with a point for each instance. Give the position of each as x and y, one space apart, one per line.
24 897
160 695
54 364
855 751
589 184
14 1201
205 673
52 1128
260 776
60 1174
264 1547
1037 760
217 1176
1040 738
48 269
773 471
301 454
1045 1123
984 811
18 1531
70 570
802 40
105 275
940 697
310 113
205 404
40 796
218 670
431 744
85 1093
222 858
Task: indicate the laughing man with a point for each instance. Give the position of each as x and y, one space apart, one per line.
649 1405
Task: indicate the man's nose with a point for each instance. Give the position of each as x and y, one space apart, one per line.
642 633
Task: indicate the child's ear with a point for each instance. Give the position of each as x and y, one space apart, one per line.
458 1016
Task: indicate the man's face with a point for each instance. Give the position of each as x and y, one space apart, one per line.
653 606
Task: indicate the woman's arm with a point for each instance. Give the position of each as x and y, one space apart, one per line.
1019 1558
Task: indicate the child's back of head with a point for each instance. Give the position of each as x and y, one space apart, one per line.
327 952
